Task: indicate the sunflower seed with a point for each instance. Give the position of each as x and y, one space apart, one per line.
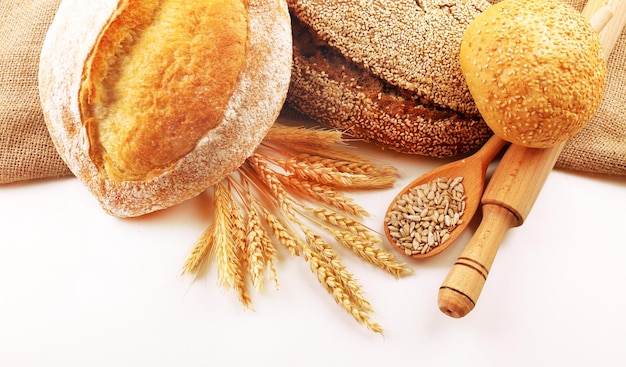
424 217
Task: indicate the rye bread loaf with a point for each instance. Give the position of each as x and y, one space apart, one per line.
149 103
387 72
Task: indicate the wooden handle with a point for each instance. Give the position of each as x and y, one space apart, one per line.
519 178
513 190
460 290
488 152
608 17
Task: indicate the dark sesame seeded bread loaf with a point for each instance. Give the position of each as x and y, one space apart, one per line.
151 102
387 72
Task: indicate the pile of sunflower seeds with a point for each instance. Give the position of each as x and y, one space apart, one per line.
424 217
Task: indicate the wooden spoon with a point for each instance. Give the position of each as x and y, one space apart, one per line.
513 189
473 170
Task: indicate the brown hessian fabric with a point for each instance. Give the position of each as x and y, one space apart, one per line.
26 151
601 146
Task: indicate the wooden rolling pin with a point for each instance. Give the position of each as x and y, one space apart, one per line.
513 189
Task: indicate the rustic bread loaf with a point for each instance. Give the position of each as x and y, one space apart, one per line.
387 72
151 102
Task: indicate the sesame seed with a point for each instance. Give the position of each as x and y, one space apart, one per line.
389 72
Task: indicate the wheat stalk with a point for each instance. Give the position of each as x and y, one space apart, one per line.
338 152
270 180
367 251
199 253
255 261
339 220
300 137
318 172
329 269
261 251
239 238
291 163
322 142
358 238
225 247
344 279
355 167
323 193
325 276
284 236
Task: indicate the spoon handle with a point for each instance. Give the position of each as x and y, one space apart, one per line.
488 152
513 189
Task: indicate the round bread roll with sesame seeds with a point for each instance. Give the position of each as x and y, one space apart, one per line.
535 69
151 102
387 72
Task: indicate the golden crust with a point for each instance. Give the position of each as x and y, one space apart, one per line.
217 150
539 89
144 110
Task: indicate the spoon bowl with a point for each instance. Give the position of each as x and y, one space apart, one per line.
472 170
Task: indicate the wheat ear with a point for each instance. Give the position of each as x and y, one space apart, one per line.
367 251
323 193
300 137
199 253
323 142
330 176
282 234
339 220
261 251
344 279
355 167
325 276
270 180
239 238
225 247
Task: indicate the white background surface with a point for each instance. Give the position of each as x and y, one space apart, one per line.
81 288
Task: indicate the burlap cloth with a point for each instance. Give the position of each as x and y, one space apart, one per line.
26 151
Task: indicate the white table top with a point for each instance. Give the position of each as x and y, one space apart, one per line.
81 288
